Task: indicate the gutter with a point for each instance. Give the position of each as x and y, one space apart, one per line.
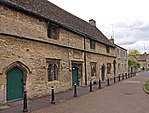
40 17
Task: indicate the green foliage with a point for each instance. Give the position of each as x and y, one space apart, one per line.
133 63
146 86
133 52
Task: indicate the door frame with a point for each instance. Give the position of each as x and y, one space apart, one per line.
26 71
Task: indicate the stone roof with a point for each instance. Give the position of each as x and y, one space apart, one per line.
53 13
140 57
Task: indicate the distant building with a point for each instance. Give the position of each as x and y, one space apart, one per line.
121 61
142 59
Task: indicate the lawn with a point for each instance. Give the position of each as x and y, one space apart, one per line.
146 87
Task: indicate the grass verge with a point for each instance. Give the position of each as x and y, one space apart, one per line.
146 87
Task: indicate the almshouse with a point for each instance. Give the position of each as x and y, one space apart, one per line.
42 45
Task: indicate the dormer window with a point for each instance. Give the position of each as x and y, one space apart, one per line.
92 44
52 32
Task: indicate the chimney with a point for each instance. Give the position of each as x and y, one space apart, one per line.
92 22
112 40
145 53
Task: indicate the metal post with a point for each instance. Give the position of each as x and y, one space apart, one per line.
99 83
119 77
122 76
75 90
108 82
90 86
126 75
114 79
52 96
25 102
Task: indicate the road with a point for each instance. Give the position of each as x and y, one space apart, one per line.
124 97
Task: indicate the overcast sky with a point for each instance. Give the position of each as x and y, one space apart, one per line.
129 19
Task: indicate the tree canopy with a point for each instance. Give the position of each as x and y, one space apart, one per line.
133 63
133 52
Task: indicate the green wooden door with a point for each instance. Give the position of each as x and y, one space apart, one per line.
103 72
75 76
14 85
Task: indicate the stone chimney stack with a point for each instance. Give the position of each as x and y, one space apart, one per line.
92 22
112 40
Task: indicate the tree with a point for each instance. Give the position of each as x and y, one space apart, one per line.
132 63
133 52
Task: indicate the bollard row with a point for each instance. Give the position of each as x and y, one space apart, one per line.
25 106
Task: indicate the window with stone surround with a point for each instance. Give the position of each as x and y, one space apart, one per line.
93 68
108 68
53 32
92 44
107 49
118 51
119 67
53 70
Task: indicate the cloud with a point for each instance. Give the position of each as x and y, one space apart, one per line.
123 41
130 34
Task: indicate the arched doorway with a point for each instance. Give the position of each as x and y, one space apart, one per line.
75 75
14 84
103 72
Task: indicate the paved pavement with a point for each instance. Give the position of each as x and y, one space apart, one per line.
126 96
34 105
144 73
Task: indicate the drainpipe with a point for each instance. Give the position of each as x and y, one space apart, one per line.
85 60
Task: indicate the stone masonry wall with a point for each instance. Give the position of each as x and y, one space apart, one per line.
24 38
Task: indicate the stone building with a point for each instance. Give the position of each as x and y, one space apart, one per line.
42 45
142 59
121 60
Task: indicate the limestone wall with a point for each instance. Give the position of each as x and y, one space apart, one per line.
121 60
24 38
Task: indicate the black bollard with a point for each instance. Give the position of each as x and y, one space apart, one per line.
52 96
119 78
108 82
126 75
122 76
25 102
90 86
75 90
99 83
114 79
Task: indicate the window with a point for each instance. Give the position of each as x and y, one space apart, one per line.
107 49
52 32
122 68
125 67
118 51
53 71
93 68
108 68
50 72
119 68
92 44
